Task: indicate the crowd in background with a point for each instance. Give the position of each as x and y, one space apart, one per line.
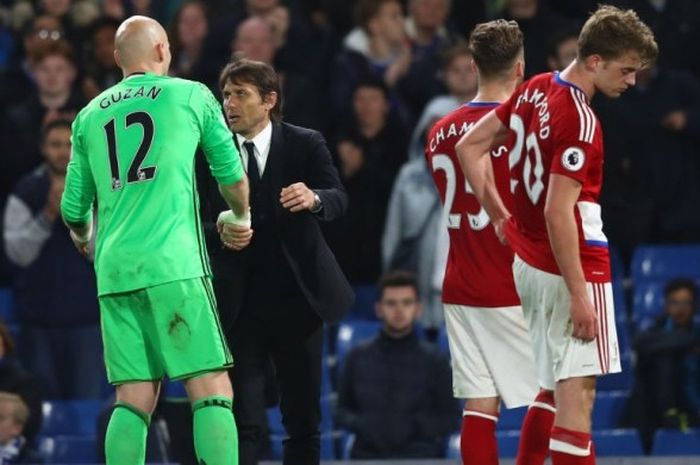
372 76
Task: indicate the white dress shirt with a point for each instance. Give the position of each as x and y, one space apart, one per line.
262 148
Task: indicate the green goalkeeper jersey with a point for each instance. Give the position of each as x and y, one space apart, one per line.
134 158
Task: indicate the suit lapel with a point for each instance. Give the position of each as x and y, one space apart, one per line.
275 164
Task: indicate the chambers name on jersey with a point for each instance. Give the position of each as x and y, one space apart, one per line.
478 272
554 131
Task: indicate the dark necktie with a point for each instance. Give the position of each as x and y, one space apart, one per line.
253 172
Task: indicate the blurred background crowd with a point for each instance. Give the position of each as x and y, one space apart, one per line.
372 76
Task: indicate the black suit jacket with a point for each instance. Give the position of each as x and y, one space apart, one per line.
296 155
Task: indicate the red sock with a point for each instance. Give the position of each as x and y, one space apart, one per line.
571 447
478 442
537 426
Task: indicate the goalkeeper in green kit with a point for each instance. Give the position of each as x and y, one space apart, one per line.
133 158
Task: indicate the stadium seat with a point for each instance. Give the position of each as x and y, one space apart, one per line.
647 303
510 419
345 443
607 408
442 342
663 262
618 381
623 337
365 298
350 333
71 417
620 300
508 443
7 306
68 449
452 451
617 442
675 442
617 266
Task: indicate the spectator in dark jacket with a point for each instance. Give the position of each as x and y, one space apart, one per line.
665 395
55 286
370 149
14 379
395 391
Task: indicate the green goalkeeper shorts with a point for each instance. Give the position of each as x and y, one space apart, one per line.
171 329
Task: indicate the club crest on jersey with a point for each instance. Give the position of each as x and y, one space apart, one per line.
573 158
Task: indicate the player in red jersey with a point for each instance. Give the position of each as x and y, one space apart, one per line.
491 352
561 267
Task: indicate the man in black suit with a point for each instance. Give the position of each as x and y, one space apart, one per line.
275 294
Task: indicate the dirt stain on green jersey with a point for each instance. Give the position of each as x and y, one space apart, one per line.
179 331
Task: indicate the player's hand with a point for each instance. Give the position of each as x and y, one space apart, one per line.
82 246
53 203
500 227
583 318
233 236
297 197
351 158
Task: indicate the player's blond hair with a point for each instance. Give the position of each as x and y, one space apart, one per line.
611 32
20 411
495 45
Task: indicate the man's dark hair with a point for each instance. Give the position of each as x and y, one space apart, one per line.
365 10
373 82
397 278
680 284
495 45
57 123
260 75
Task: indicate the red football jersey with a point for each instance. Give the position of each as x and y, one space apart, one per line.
554 130
479 268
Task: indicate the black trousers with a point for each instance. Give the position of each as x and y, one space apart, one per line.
290 333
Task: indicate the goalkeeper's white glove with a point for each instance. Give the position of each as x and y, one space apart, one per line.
228 217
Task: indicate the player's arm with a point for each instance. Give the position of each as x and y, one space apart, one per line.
473 151
562 195
79 194
225 165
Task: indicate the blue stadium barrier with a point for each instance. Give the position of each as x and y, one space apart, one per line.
64 449
510 419
7 306
663 262
71 417
617 443
675 442
607 408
